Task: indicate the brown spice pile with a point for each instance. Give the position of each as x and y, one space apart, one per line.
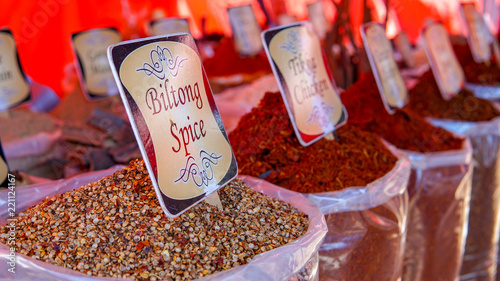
265 146
426 100
404 129
477 73
116 228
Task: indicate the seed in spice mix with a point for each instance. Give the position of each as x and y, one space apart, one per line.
426 100
404 129
115 227
265 146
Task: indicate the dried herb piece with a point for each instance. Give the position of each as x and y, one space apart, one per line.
265 146
404 129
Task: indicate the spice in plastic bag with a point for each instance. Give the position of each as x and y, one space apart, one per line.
487 74
115 227
226 61
265 146
482 239
426 100
404 129
438 196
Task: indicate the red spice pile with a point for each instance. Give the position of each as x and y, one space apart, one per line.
404 129
477 73
226 61
426 100
265 146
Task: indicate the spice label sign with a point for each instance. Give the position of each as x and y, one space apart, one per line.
93 68
311 98
246 30
169 26
14 86
4 169
476 35
171 108
402 44
444 64
389 81
317 17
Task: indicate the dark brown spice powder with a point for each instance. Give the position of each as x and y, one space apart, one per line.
404 129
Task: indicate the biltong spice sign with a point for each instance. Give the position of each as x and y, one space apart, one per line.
172 111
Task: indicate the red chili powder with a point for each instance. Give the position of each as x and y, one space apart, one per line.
404 129
226 61
265 146
426 100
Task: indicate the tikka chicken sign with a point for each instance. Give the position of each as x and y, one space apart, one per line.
172 111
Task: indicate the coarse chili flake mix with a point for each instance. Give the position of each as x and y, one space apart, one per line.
115 227
265 146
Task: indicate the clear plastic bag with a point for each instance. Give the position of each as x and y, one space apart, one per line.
294 261
366 228
484 91
481 246
439 190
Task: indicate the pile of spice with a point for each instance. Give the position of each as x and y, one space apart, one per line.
426 100
265 146
404 129
435 201
477 73
115 227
